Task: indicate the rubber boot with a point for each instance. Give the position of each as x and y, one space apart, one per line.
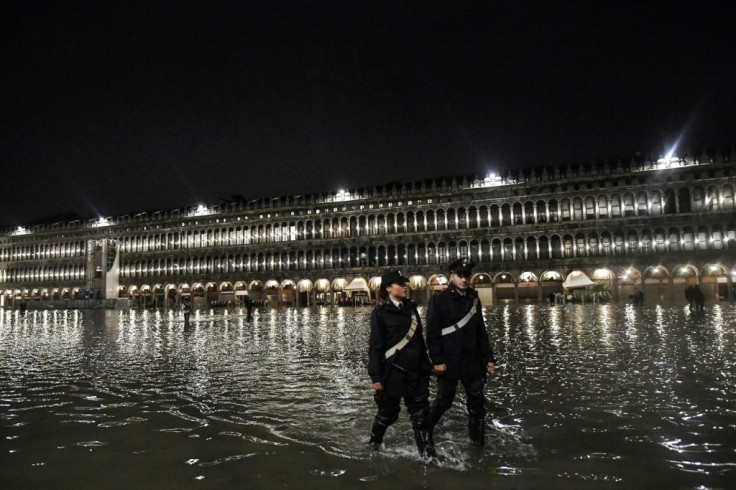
425 443
377 432
477 430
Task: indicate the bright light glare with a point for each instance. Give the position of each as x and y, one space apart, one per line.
101 222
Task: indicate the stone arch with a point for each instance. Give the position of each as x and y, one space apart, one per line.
287 293
527 287
271 290
481 279
685 274
437 282
656 271
504 278
171 295
159 296
133 291
629 282
257 290
417 281
303 292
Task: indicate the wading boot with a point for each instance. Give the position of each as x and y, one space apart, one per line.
477 430
377 432
425 443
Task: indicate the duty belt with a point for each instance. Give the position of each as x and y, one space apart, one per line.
463 321
402 343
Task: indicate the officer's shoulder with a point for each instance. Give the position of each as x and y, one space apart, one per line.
381 304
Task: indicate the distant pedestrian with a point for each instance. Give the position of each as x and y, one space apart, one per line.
249 309
698 298
689 297
186 307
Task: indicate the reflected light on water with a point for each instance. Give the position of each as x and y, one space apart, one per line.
583 395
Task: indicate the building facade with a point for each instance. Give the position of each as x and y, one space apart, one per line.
650 226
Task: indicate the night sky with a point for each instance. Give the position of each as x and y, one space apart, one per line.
111 109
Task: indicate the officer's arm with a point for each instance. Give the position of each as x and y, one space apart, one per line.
420 335
484 342
434 331
376 349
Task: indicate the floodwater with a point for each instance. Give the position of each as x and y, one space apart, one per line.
585 396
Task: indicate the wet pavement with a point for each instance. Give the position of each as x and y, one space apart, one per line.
585 396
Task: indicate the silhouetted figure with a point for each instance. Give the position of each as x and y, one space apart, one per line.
698 298
695 297
689 296
249 308
187 309
552 298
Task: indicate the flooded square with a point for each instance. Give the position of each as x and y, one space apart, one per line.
584 396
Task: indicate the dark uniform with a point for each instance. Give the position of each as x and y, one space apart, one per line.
466 351
404 374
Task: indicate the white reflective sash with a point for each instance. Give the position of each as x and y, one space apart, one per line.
402 343
463 321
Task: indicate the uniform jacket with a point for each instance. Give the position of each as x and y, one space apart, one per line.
389 325
466 351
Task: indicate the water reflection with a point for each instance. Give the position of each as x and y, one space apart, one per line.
585 396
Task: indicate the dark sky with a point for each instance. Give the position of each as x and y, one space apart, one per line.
112 108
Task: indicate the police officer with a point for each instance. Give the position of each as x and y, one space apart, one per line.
398 364
459 348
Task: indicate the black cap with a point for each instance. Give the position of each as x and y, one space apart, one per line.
462 267
393 277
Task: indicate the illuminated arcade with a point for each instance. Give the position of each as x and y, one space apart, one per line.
650 226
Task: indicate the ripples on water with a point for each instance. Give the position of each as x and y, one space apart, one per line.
585 396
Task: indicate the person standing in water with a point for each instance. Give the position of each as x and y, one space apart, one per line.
398 364
459 347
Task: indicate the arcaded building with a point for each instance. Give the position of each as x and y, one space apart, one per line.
649 226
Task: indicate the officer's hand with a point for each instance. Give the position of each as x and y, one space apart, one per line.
378 386
440 368
491 368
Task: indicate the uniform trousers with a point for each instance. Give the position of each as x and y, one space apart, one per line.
446 388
